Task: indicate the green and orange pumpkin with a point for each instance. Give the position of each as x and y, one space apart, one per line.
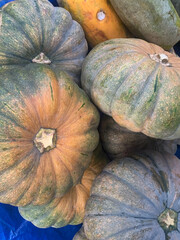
48 132
70 208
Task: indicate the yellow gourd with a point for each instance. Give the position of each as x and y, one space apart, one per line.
97 18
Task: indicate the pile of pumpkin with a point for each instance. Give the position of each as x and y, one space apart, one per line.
91 136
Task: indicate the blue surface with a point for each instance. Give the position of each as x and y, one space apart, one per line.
14 227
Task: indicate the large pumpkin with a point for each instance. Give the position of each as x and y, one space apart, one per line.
156 21
137 83
136 198
97 18
120 142
36 31
71 207
48 131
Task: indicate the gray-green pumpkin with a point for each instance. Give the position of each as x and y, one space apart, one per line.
156 21
136 83
136 198
36 31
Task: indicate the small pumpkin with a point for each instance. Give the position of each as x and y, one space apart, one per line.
70 208
154 21
137 83
97 18
136 198
48 131
120 142
36 31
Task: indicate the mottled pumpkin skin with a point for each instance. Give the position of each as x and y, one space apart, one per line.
32 98
31 27
139 93
130 194
71 207
154 21
120 142
97 28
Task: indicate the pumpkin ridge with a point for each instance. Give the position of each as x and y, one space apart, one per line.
64 164
63 39
116 201
141 92
17 162
133 69
28 187
131 187
19 180
155 175
22 31
101 69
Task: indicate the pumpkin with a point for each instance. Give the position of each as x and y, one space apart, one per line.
70 208
120 142
154 21
36 31
97 18
136 198
48 131
136 83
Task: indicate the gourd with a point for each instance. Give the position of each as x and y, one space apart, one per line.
135 198
97 18
120 142
136 83
48 132
36 31
70 208
154 21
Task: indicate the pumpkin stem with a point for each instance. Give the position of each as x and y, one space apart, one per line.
41 58
45 139
168 220
161 58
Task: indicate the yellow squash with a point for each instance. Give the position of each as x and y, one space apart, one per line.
97 18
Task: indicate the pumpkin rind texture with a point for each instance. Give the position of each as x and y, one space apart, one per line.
36 31
130 196
154 21
97 18
34 98
136 83
120 142
71 207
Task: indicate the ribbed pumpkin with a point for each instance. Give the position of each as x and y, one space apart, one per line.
120 142
136 198
155 21
137 83
97 18
70 208
36 31
48 131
